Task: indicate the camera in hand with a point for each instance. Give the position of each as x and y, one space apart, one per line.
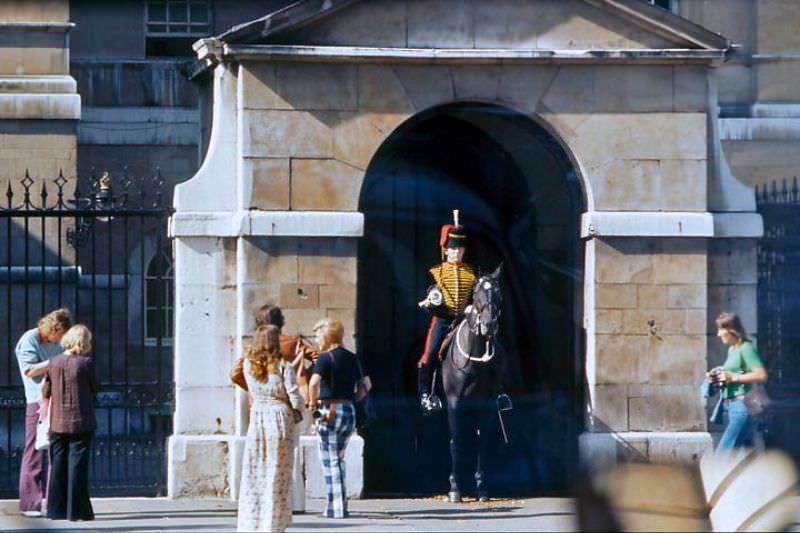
321 413
716 377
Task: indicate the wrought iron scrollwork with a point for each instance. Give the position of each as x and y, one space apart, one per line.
140 195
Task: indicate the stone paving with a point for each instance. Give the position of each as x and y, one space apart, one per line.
430 514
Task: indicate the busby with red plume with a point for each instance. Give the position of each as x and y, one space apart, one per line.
453 235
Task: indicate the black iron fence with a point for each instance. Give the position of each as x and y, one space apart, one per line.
779 309
98 247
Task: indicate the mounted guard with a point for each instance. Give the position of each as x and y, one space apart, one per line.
447 299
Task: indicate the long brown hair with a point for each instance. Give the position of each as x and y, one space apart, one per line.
264 352
733 324
269 315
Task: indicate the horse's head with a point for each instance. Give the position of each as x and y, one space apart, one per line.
483 316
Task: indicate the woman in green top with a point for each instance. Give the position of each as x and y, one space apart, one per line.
741 370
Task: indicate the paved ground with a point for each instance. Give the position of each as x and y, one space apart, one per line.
159 514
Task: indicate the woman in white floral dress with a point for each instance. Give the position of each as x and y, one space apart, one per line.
266 490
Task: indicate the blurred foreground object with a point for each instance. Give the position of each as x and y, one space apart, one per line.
740 491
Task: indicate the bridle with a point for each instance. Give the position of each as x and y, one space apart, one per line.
473 317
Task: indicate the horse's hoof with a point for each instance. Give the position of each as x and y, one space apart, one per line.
454 496
483 496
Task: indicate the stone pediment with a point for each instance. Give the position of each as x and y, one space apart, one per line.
529 25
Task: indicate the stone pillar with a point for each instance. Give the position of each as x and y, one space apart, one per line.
237 248
204 420
202 452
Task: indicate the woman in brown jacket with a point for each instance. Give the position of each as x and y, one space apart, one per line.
71 385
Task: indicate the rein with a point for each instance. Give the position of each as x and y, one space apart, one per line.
488 353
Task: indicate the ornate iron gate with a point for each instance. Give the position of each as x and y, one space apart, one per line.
779 310
104 255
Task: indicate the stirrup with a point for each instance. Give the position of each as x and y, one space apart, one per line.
430 404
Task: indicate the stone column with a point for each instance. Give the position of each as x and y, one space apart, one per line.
205 227
237 248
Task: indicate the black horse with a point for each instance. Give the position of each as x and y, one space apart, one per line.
471 374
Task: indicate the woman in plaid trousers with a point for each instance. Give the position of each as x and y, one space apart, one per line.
331 398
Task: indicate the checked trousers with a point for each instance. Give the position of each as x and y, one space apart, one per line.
333 438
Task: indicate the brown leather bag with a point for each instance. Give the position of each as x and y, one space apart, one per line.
756 400
237 374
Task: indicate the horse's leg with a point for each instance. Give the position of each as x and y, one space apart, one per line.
483 423
456 452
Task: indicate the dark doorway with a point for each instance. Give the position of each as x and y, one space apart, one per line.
521 201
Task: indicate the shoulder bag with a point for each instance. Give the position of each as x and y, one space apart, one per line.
43 426
756 399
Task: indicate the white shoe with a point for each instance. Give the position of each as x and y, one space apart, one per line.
32 514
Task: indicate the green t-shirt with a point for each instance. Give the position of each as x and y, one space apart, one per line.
742 358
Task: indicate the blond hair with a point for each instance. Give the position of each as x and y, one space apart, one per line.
57 321
332 332
264 352
77 340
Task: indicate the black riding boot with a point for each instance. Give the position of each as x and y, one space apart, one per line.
429 402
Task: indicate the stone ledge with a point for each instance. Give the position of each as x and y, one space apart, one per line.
55 84
743 225
350 54
600 449
267 224
759 129
42 106
45 26
216 478
646 224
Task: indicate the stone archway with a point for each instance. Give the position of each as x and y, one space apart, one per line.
521 200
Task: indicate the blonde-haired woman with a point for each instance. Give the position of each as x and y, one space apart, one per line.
71 385
331 389
266 490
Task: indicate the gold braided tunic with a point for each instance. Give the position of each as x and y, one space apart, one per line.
456 281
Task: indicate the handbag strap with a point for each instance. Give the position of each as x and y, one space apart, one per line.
360 370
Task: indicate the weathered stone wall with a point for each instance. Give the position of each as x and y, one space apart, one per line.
309 278
39 48
637 132
651 301
206 309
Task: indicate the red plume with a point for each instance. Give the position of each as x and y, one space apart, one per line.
443 234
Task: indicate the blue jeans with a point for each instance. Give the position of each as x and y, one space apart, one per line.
739 431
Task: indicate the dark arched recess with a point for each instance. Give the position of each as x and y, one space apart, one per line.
521 202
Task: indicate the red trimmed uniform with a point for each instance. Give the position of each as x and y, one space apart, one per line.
455 282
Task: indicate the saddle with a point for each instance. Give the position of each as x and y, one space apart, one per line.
448 339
